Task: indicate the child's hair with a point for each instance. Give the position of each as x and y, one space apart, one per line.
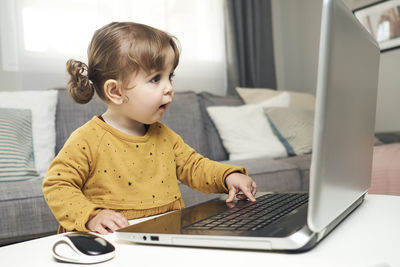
118 50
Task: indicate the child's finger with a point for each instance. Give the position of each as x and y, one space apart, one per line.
231 195
120 220
248 194
241 196
254 186
100 229
112 225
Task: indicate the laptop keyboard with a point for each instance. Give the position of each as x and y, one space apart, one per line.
267 209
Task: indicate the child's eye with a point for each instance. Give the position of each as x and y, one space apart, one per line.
155 79
171 76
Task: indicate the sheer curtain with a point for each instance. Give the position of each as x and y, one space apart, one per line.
38 36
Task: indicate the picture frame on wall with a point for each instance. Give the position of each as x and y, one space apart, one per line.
382 20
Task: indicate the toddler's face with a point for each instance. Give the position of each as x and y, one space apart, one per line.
151 94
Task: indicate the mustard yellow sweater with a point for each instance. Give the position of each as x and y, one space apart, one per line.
100 167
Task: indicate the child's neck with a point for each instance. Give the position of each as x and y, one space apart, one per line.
127 126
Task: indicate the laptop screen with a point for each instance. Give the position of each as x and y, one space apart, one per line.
344 120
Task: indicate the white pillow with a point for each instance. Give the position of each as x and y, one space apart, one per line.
280 100
259 95
245 132
43 107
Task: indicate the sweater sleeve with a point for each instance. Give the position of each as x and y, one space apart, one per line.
199 172
64 181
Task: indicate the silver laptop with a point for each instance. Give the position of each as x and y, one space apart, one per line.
340 168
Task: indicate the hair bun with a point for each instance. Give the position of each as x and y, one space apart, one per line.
80 88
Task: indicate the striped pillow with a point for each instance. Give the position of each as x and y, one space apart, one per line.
16 148
294 127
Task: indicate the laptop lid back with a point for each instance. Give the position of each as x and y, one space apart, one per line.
344 120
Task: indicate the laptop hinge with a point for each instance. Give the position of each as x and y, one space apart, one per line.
340 218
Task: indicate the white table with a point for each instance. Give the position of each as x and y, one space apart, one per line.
369 237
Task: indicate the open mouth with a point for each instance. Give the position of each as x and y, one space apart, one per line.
164 106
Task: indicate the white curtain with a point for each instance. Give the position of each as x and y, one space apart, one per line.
38 36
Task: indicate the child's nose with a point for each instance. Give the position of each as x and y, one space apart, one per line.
169 90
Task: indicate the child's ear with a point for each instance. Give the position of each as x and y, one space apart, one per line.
113 91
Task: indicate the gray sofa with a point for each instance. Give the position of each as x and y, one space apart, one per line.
25 214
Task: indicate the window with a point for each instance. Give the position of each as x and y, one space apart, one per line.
39 36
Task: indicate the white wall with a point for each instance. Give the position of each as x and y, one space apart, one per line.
388 108
296 26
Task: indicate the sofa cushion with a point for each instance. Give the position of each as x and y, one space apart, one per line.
192 197
27 213
184 117
303 163
16 147
21 190
217 150
70 115
271 175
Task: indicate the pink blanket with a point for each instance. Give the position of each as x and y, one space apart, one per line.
386 170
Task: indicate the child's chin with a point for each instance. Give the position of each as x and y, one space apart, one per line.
154 119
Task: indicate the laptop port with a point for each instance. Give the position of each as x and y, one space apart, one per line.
154 238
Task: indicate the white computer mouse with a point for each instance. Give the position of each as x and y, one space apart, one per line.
80 247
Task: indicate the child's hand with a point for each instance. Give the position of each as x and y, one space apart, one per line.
107 221
236 183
